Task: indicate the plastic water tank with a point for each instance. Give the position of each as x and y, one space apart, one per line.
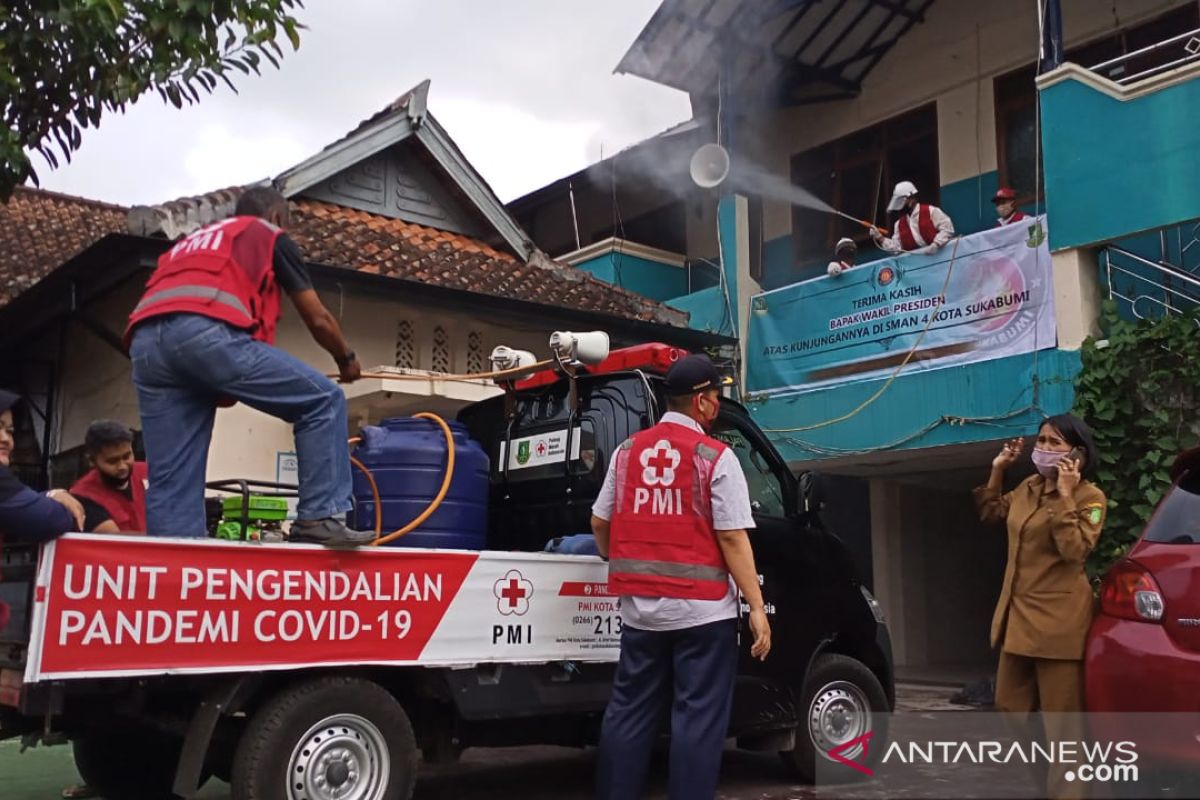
407 457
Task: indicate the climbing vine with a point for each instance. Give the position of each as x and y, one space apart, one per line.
1139 389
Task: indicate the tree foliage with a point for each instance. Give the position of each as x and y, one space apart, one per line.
1139 389
64 63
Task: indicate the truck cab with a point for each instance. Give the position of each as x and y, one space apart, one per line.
550 438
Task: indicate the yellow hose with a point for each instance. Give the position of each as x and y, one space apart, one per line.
433 505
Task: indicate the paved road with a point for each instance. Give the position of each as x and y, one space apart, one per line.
531 773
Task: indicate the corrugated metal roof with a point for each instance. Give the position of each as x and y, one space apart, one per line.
797 50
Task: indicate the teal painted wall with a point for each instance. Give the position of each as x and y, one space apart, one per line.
954 405
707 309
1115 168
641 275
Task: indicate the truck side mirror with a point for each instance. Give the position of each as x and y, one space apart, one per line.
810 497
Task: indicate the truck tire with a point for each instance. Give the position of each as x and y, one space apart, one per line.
842 700
332 738
128 764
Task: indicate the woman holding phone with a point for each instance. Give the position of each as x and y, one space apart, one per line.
1054 518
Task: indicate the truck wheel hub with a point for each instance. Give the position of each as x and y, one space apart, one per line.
342 757
839 712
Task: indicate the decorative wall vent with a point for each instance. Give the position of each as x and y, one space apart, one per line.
441 350
474 352
406 345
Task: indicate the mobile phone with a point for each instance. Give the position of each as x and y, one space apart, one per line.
1076 454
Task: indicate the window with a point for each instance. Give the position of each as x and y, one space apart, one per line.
1016 92
1177 519
855 174
766 493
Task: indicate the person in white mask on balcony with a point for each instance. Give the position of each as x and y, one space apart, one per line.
844 254
921 227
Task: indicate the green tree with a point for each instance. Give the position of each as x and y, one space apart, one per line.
64 63
1139 389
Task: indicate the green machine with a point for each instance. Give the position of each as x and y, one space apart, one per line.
251 516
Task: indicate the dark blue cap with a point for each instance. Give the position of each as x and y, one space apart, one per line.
691 374
8 400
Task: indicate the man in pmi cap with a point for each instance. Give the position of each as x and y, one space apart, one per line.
672 518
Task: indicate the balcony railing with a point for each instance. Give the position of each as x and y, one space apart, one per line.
1150 289
1152 60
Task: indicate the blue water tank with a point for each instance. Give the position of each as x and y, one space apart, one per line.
407 457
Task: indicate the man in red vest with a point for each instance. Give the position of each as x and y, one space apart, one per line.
671 518
921 228
1007 212
203 334
113 492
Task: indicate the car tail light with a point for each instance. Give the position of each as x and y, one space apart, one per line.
1129 591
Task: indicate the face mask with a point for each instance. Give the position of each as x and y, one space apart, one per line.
1046 462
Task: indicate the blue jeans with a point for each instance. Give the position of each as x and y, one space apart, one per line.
683 678
182 365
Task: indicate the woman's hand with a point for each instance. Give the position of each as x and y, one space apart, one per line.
68 501
1068 476
1008 454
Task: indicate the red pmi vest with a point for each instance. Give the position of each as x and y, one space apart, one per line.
924 224
200 275
1017 216
663 543
129 514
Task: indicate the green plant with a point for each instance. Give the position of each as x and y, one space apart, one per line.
1139 389
63 63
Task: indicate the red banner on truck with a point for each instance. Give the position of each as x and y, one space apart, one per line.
109 606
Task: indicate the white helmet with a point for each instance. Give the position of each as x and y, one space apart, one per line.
903 191
844 242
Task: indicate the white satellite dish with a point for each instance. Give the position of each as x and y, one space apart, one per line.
710 165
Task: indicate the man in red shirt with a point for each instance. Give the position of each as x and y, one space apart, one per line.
203 335
113 492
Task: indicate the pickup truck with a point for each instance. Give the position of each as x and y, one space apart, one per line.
167 661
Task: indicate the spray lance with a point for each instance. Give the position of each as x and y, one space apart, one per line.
709 168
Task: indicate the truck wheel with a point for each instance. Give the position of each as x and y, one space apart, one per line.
331 738
842 700
128 764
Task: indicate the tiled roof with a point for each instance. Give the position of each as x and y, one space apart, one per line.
40 230
344 237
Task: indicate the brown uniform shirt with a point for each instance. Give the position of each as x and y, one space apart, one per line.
1045 605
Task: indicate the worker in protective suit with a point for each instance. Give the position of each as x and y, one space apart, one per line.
1007 212
921 227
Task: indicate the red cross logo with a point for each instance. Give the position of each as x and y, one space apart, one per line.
659 462
512 593
541 448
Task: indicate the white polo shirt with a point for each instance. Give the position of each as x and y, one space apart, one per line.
730 512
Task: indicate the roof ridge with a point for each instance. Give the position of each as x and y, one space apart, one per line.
73 198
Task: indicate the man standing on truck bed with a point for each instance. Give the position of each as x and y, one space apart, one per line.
202 336
672 519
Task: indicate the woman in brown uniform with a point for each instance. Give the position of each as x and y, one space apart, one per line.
1054 519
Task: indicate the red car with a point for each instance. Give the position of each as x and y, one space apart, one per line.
1143 651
